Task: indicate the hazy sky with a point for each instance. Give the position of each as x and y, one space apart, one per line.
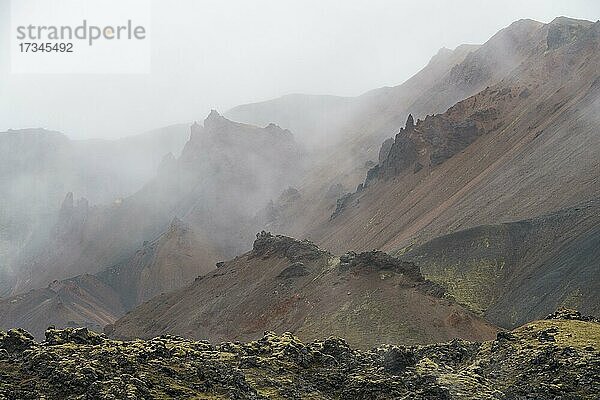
221 53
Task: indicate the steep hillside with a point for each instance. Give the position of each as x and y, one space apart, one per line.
288 285
523 147
225 174
549 359
518 271
171 261
450 77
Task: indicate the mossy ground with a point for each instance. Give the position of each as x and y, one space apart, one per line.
549 359
469 283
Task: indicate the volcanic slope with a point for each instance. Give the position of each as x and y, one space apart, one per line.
519 271
450 76
524 147
289 285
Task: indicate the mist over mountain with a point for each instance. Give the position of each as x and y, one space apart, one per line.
170 261
450 224
225 173
38 167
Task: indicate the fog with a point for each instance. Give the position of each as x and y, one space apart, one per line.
219 54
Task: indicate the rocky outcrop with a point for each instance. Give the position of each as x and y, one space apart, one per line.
384 151
73 335
429 142
269 245
378 260
573 315
71 217
518 364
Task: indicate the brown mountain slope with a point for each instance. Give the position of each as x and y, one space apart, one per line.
526 146
451 76
518 271
226 172
287 285
169 262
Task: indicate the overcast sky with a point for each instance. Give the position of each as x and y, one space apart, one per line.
221 53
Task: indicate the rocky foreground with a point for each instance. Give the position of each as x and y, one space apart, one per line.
556 358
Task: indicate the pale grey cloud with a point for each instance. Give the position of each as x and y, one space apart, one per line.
217 54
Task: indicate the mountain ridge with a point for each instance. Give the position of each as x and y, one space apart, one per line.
288 285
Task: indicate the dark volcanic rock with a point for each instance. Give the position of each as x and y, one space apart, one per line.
341 204
379 260
267 244
73 335
15 340
403 154
294 270
385 149
567 313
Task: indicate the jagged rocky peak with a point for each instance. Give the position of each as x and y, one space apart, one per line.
268 245
216 124
213 120
69 206
272 125
410 122
67 203
274 128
